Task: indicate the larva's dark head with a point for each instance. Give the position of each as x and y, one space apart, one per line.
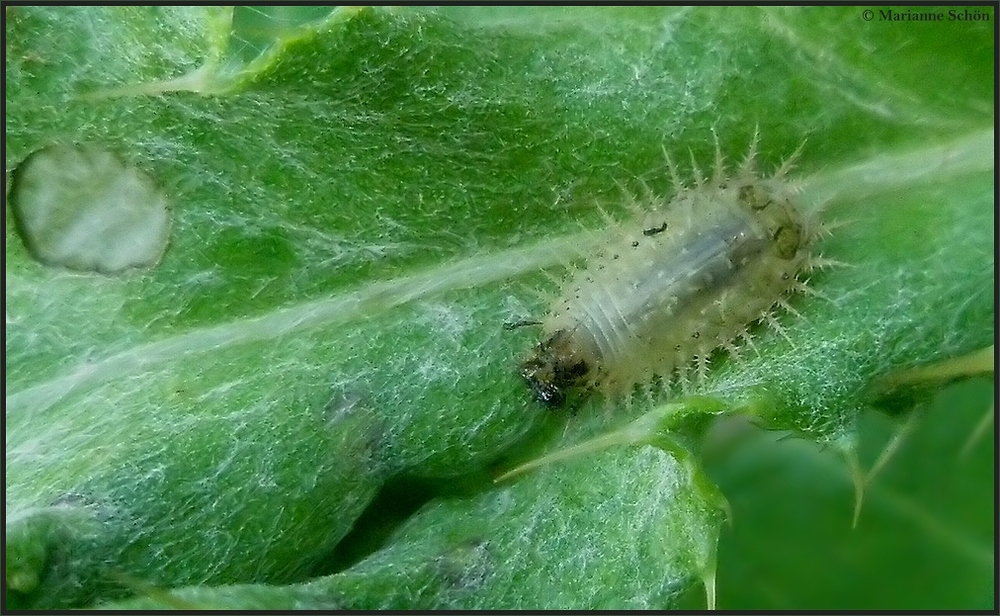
552 369
542 385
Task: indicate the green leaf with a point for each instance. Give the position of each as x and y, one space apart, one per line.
925 537
360 202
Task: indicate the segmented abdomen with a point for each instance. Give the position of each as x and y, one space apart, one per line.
690 279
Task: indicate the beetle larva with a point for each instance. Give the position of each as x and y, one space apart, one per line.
685 279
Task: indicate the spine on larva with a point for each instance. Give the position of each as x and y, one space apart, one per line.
686 278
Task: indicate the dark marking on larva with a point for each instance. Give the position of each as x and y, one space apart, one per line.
727 251
751 196
654 230
512 325
787 240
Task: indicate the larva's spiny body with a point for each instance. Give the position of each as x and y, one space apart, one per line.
686 278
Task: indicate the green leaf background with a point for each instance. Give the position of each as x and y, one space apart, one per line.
305 403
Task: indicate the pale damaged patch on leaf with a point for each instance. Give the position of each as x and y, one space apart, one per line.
82 208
